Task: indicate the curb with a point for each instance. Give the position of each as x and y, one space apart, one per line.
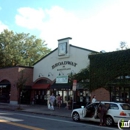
24 111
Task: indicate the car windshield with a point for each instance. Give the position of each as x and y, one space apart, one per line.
125 106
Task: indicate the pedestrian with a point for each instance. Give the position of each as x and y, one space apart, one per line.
87 100
102 111
94 99
48 101
51 101
58 100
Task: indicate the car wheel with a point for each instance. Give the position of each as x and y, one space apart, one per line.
75 116
109 121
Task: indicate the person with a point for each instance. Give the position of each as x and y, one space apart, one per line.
87 100
67 98
102 111
48 101
58 100
94 99
51 101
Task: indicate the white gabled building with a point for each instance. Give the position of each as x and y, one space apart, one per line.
51 72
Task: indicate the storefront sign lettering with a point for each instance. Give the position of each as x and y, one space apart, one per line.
64 63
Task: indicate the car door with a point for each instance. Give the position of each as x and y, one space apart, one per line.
91 111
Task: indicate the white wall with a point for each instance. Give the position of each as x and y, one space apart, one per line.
77 55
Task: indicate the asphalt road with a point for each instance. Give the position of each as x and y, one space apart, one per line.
10 120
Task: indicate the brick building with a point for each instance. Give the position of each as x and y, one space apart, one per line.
8 82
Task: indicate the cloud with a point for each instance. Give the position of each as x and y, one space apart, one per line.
102 31
3 26
29 17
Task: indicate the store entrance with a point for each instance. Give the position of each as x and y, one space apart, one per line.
40 97
5 87
25 96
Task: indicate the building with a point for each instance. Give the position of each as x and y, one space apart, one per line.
51 72
9 77
111 70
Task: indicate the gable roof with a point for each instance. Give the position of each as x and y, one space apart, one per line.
71 46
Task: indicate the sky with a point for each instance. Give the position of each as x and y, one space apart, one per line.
92 24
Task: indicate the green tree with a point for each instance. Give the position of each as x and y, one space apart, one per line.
20 49
20 84
82 77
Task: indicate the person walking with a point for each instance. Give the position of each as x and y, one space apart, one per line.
58 100
52 100
94 99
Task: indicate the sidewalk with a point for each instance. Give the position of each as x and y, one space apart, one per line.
39 109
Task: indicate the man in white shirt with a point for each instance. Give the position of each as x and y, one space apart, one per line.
52 100
94 99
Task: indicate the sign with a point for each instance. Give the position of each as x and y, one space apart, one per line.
123 124
74 85
62 79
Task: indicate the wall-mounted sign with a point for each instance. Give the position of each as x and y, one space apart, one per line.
64 63
62 79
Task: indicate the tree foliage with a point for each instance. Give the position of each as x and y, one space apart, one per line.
106 67
20 49
82 77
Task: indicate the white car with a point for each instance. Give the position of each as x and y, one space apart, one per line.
116 111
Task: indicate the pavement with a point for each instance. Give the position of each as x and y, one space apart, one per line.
38 109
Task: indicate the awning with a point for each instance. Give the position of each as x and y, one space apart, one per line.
60 86
41 86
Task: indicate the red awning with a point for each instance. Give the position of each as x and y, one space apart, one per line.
41 86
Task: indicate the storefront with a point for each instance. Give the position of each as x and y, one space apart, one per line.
65 91
120 93
5 88
25 94
40 91
58 64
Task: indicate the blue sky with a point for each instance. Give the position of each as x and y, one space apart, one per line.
92 24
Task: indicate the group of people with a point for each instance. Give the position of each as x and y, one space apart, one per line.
52 99
101 111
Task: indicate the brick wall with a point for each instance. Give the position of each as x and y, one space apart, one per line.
101 94
12 74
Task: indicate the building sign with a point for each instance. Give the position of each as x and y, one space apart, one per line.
62 79
74 85
64 63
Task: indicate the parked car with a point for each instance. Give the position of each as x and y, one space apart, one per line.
116 111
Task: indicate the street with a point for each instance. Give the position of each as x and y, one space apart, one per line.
11 120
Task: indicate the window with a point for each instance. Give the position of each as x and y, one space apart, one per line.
94 105
114 106
125 106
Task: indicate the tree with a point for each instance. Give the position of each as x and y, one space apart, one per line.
106 67
82 77
20 49
122 45
20 84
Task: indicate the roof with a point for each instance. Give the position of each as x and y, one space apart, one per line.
65 38
17 67
71 46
